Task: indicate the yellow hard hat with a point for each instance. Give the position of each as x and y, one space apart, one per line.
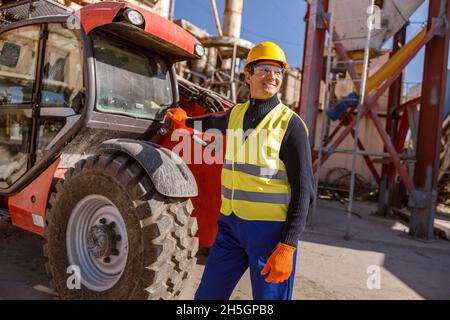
267 51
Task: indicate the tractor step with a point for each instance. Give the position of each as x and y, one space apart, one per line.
4 215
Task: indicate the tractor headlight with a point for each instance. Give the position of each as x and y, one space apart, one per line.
199 50
134 17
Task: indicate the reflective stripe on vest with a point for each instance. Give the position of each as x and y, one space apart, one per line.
257 171
277 198
254 180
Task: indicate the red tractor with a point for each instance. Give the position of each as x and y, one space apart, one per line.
85 159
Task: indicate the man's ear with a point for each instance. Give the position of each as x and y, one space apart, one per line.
247 76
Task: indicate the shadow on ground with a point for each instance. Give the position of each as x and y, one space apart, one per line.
417 268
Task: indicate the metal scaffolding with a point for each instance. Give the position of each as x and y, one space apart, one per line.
421 188
333 59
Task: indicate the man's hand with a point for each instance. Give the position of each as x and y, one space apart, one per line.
178 117
279 264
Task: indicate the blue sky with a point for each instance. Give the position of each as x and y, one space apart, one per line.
282 22
262 20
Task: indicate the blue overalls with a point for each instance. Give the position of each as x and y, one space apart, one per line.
241 244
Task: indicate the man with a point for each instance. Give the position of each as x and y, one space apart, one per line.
265 198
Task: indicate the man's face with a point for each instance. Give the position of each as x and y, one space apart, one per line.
266 79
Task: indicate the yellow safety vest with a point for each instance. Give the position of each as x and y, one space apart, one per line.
255 185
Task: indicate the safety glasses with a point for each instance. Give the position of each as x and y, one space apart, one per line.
263 70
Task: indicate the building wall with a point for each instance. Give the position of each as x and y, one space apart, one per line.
290 89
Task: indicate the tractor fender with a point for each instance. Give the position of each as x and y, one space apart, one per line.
169 174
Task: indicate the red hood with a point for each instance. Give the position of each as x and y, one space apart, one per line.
103 13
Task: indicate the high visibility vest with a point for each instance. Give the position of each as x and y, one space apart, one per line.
255 185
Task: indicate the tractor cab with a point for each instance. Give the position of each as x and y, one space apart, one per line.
81 96
106 66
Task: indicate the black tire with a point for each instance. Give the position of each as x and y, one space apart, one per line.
162 245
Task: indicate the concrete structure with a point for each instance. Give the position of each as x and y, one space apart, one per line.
232 18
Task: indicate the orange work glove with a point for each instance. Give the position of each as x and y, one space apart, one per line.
279 264
178 117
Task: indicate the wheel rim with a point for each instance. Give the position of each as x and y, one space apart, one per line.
97 242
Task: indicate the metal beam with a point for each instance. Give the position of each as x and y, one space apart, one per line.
430 120
312 65
395 93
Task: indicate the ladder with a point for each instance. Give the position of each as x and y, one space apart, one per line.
359 85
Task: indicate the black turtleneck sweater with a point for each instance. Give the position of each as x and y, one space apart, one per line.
295 154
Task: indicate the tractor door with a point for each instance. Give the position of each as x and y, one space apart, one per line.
41 94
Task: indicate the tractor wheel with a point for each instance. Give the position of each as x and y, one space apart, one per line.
128 241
